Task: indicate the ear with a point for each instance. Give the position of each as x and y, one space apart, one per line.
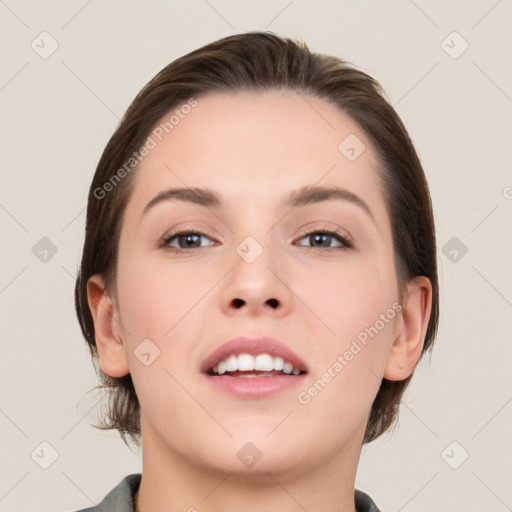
111 349
408 345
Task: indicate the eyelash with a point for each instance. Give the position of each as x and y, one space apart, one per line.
344 240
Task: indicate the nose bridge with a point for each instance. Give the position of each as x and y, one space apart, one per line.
254 234
255 283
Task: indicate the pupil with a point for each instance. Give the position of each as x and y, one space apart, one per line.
319 236
189 239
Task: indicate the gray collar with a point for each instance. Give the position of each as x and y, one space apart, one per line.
121 498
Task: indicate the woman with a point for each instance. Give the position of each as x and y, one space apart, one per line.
258 279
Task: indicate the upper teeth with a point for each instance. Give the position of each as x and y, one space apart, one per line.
262 362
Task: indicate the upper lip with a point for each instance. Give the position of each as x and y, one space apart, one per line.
253 346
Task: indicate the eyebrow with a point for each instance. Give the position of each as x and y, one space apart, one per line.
307 195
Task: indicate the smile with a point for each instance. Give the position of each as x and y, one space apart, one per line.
247 365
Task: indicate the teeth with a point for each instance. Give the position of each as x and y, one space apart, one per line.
245 363
278 363
288 368
231 364
264 362
259 363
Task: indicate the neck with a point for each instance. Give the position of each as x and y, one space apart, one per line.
173 483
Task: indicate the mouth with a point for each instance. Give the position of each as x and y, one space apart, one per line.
250 366
253 368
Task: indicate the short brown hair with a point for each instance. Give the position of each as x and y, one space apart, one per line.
260 61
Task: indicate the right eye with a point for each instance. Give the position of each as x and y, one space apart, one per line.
184 239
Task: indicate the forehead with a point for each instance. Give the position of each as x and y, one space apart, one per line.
258 145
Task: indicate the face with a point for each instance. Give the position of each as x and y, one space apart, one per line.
315 275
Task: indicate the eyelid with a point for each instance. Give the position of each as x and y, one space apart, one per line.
326 225
196 226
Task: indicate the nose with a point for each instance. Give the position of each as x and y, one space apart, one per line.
256 287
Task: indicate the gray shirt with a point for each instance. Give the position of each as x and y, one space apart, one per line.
120 498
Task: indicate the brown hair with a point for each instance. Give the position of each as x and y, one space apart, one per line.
259 61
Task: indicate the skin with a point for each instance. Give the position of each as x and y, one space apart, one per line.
254 149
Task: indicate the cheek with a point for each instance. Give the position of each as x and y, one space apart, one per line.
155 295
158 302
348 298
356 313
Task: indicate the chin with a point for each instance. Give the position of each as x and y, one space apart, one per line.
256 456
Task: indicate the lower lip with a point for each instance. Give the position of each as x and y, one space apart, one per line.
257 387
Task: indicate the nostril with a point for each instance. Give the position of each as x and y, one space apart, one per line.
238 303
273 303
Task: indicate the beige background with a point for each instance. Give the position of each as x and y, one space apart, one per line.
57 115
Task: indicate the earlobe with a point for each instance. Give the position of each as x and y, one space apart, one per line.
408 345
108 332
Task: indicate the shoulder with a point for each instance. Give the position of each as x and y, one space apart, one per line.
120 498
364 503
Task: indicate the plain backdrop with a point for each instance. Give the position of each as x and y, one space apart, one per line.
446 67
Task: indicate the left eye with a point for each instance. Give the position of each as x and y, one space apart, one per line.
325 238
188 238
